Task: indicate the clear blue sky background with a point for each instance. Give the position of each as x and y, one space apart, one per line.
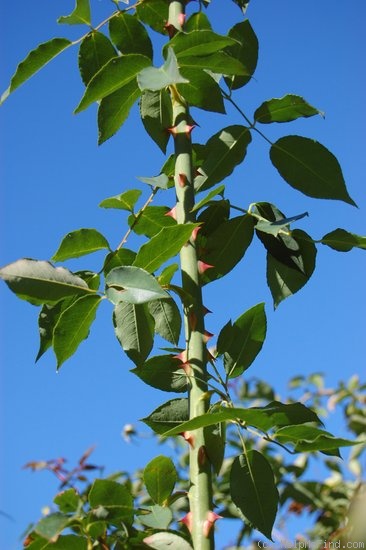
53 176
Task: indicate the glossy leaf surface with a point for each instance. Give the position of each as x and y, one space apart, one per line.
153 13
79 16
132 285
343 241
199 43
35 60
201 90
118 258
160 477
245 51
206 200
156 116
114 110
165 540
52 525
40 282
155 79
94 52
114 498
124 201
264 418
166 244
310 438
156 517
284 281
226 246
79 243
163 372
198 21
118 72
253 490
226 150
47 321
241 341
134 328
284 109
151 221
310 168
129 36
169 415
73 326
219 62
168 320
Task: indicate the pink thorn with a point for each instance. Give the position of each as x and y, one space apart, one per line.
195 232
189 437
189 129
206 336
188 521
172 130
182 356
185 365
172 213
181 19
209 522
182 180
202 267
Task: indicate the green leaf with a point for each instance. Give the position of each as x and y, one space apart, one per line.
166 244
160 477
201 90
284 281
68 501
278 226
215 445
253 490
217 191
245 51
66 542
156 116
264 418
129 35
226 150
284 109
226 246
167 274
73 326
241 343
134 328
343 241
163 372
91 278
79 243
157 517
118 72
35 60
199 43
47 321
80 15
95 51
243 5
49 527
167 416
219 62
168 320
155 79
213 216
124 201
198 22
40 282
309 438
113 500
114 110
165 540
151 221
132 285
122 256
161 181
310 168
154 13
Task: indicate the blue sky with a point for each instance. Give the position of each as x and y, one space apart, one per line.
53 175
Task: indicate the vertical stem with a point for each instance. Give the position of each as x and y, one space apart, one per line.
200 493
